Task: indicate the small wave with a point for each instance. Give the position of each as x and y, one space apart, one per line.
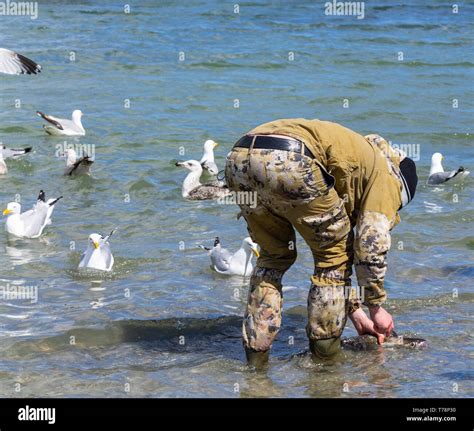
229 65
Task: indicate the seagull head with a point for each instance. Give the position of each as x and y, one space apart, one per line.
95 240
209 145
12 208
436 165
249 245
192 165
77 115
71 155
437 158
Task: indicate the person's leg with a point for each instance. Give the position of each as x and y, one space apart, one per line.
254 172
276 238
326 228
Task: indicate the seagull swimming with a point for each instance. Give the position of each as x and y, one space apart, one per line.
192 188
239 263
207 159
31 223
6 153
98 254
12 63
75 166
61 126
438 176
3 165
14 153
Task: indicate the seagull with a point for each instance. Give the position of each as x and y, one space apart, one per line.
239 263
192 188
60 126
98 254
10 153
207 159
30 224
12 63
75 166
14 153
438 176
3 165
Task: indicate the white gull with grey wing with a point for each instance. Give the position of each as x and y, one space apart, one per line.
238 263
63 126
98 254
438 176
31 223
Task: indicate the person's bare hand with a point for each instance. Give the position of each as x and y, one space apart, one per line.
364 325
383 321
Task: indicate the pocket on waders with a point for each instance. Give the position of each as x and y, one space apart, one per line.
236 166
329 227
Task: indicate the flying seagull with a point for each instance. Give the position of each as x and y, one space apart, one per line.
61 126
192 188
438 176
98 254
31 223
207 159
12 63
238 263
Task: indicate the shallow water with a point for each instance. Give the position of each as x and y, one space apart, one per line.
119 335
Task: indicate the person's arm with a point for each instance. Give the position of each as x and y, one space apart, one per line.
371 245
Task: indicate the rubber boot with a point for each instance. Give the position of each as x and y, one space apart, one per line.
325 349
255 359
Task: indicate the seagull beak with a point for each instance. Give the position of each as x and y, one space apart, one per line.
255 251
96 245
6 212
179 163
216 144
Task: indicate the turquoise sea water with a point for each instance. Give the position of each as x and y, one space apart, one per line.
270 60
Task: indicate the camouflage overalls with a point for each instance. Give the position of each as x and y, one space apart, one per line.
351 183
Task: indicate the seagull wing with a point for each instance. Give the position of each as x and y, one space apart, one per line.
35 219
106 254
205 192
12 63
443 177
220 259
82 165
211 167
56 122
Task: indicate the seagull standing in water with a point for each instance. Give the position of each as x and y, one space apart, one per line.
98 254
64 127
238 263
207 159
438 176
192 188
12 63
77 166
31 223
